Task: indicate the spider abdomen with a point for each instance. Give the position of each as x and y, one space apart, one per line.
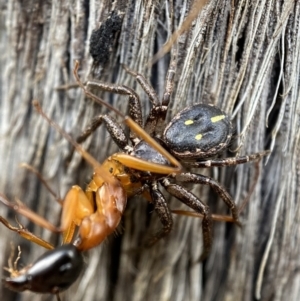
199 131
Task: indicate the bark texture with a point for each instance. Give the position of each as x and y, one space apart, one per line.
240 55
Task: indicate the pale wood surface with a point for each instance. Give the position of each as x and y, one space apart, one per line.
243 58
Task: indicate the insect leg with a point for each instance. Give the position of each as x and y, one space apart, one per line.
215 217
31 215
43 181
25 233
76 207
106 176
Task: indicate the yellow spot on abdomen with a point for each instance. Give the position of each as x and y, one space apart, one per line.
188 122
198 137
217 118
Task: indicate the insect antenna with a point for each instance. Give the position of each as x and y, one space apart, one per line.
89 158
41 178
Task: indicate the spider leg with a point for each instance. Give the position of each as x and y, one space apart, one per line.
135 127
170 77
216 186
156 118
115 130
195 203
215 217
163 212
230 161
146 86
135 110
157 115
170 80
156 109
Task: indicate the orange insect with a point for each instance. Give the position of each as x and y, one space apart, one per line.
108 190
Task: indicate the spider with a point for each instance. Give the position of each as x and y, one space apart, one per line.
194 136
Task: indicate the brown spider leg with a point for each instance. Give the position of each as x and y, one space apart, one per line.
135 110
163 212
151 121
146 86
252 188
115 130
138 130
195 203
229 161
170 78
221 191
156 118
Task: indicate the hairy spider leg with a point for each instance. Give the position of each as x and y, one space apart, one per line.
135 119
198 205
220 190
231 160
156 118
134 104
126 159
225 218
163 212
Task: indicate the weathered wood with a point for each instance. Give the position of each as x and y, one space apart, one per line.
240 55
